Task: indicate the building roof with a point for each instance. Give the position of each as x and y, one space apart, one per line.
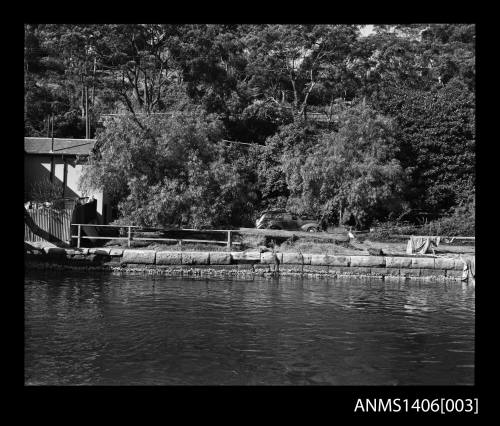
61 146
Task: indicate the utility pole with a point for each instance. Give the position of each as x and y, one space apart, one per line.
93 84
52 120
52 165
86 111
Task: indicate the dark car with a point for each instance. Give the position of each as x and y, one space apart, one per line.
281 219
417 216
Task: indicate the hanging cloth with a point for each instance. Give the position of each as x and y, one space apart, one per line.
469 268
421 245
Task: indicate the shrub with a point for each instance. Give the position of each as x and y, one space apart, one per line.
43 191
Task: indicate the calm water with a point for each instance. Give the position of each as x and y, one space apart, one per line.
145 330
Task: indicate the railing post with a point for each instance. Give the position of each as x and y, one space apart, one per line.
129 235
229 240
79 235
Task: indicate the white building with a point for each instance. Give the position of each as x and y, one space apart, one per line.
62 160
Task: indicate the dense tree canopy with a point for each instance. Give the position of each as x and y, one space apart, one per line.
339 123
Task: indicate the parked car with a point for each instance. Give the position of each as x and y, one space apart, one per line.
281 219
417 216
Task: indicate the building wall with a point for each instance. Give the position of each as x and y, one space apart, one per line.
37 168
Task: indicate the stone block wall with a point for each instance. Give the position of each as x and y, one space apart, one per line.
252 262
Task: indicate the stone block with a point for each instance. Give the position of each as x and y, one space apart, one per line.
453 273
268 257
292 258
100 250
339 260
199 267
459 265
329 260
245 266
422 262
319 259
220 258
432 272
101 257
138 256
261 268
398 262
116 252
80 257
110 260
168 258
342 270
279 257
91 258
367 261
306 258
409 272
248 257
315 269
195 258
393 272
290 268
361 270
54 251
444 263
380 271
335 270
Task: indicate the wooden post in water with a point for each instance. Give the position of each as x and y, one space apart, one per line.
79 235
229 240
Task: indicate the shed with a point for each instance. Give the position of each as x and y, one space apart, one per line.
62 160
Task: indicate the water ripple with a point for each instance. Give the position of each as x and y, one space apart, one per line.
116 330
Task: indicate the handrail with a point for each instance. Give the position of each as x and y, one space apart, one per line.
129 237
430 236
110 226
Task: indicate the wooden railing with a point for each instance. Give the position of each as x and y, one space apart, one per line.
228 241
430 236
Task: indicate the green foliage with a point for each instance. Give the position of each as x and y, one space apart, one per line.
412 143
172 170
292 139
460 222
353 170
43 191
437 142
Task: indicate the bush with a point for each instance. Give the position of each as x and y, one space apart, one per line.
43 191
458 224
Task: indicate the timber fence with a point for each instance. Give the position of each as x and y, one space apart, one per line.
54 222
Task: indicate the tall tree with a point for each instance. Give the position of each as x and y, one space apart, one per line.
353 170
289 61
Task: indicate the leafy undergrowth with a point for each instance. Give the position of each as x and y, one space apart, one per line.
451 226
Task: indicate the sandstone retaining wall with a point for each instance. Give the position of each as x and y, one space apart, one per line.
249 262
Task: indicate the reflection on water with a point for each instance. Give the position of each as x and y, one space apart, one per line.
147 330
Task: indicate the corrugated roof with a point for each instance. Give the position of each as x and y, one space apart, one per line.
61 146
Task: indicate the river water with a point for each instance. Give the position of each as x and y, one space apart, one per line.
101 329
